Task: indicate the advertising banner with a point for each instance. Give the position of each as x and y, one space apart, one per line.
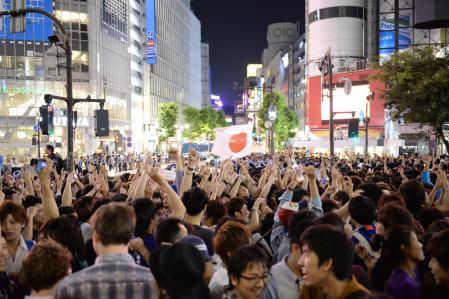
387 35
151 32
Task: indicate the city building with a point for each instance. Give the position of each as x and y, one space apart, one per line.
98 33
172 72
347 29
246 107
399 30
357 33
206 83
283 68
109 46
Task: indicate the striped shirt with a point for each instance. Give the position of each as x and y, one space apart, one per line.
114 276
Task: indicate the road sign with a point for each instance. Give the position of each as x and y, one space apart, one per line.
129 144
36 128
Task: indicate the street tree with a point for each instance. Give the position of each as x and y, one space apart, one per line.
202 122
168 117
417 87
286 121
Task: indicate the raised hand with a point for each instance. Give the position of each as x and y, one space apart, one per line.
31 212
193 157
44 174
148 164
310 172
173 153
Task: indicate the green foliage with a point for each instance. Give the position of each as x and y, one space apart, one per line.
417 84
168 117
286 120
202 122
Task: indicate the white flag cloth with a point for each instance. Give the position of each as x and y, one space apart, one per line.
233 141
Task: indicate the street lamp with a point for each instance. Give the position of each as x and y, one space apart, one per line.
272 118
369 99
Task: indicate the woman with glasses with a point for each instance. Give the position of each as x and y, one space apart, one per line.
248 273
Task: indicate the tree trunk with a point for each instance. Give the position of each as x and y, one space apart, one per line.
440 134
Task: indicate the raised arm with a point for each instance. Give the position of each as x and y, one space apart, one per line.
188 172
139 192
67 194
315 201
48 199
28 182
174 200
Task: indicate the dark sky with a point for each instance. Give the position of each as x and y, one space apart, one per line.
236 31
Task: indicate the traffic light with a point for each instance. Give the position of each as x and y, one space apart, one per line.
353 128
46 120
50 120
43 112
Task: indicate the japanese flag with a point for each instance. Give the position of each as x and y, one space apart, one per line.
233 141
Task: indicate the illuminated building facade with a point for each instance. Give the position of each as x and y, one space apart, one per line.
110 60
29 68
172 71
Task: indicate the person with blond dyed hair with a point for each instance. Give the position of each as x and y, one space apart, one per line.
46 265
228 239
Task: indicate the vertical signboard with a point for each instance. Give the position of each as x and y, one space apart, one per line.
38 27
151 32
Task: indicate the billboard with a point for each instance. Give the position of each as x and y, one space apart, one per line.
151 32
38 27
349 106
387 34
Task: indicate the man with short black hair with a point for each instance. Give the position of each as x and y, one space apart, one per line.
195 201
286 275
326 263
115 271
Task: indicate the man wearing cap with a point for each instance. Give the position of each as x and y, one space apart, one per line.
114 273
199 244
179 271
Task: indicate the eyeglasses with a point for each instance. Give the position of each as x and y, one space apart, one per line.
266 277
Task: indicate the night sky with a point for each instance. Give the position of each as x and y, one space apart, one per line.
236 31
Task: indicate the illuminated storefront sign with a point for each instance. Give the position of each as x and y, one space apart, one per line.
22 90
61 121
151 32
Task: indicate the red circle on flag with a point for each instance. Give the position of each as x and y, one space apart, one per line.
238 142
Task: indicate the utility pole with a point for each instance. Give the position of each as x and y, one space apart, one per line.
325 67
331 106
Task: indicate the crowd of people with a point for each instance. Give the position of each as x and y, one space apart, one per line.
264 226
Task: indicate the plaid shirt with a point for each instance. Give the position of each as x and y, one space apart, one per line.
113 276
